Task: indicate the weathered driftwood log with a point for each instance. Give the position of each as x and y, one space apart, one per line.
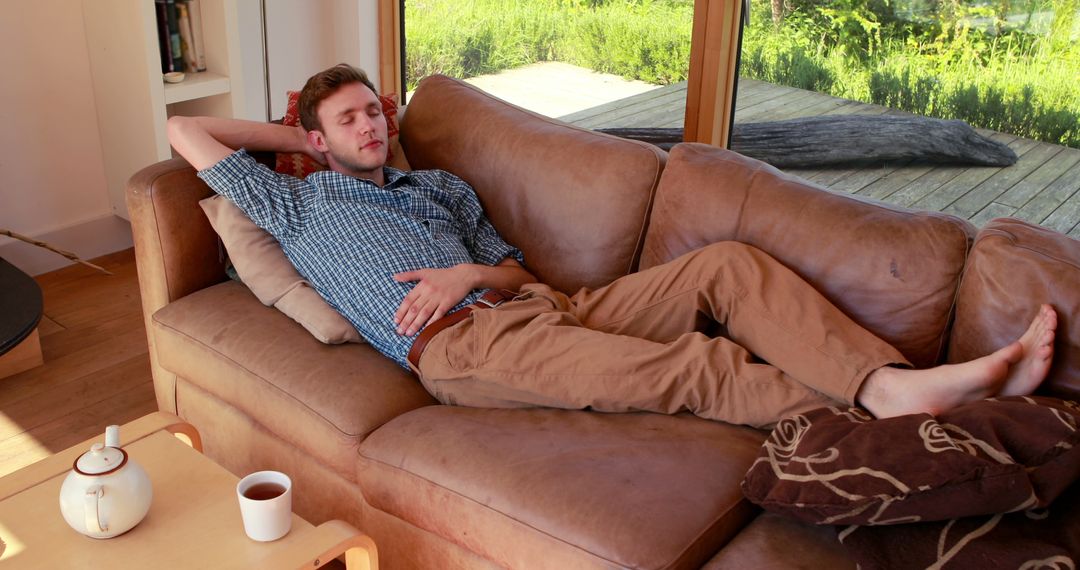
850 139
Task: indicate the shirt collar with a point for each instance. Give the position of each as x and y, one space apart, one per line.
392 175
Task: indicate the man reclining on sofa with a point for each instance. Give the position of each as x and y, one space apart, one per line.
409 258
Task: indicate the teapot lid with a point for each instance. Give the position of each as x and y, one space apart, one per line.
101 460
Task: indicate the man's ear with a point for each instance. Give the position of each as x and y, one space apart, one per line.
317 141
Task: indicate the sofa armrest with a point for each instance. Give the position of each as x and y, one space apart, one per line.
1014 266
176 249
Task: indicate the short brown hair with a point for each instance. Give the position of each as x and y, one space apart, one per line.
322 85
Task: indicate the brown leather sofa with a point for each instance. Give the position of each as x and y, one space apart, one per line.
450 487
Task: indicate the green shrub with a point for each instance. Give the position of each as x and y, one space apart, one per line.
649 41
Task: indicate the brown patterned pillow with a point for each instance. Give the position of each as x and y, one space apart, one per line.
1035 539
841 467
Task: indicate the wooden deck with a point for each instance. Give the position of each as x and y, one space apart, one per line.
1043 187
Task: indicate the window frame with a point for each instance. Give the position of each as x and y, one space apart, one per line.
711 82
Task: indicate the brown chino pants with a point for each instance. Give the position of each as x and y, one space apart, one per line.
636 345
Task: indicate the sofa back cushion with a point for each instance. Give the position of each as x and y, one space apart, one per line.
1013 268
894 271
574 201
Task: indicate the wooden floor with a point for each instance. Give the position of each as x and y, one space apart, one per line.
97 367
1043 187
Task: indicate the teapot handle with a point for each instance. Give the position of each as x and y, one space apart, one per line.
93 516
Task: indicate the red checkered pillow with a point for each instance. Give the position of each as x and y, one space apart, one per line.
300 165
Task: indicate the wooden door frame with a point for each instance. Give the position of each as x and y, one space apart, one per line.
714 56
390 64
710 91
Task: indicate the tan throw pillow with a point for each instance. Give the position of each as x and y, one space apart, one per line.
263 267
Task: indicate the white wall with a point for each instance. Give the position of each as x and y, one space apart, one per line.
305 37
52 174
52 178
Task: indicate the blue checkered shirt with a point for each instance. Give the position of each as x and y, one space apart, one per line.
348 237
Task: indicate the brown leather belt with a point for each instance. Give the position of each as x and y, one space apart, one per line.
491 299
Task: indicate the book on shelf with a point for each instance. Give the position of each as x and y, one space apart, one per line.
180 35
174 35
164 42
186 44
195 16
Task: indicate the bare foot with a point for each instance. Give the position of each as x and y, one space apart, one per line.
1038 342
1016 369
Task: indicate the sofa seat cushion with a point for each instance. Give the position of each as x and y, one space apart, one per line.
544 488
323 399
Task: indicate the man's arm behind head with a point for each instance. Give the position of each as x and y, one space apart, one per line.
204 141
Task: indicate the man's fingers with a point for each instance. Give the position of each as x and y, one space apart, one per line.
418 319
404 307
438 314
407 276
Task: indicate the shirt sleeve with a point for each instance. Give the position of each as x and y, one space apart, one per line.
275 202
480 237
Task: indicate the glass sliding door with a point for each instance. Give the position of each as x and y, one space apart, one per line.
593 63
1008 68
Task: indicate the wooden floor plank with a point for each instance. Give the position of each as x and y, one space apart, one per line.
991 211
96 370
798 108
621 117
885 186
70 397
64 431
1064 217
574 118
1050 198
865 176
1026 190
947 193
821 106
761 111
763 94
997 184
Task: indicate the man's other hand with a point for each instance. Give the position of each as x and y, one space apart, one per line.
437 291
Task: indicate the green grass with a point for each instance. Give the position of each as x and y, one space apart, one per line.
465 38
1024 84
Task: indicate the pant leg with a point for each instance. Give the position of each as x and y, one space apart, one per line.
627 346
527 354
764 307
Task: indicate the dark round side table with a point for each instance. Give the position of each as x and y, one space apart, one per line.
20 313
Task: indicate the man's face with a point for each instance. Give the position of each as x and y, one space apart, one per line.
353 135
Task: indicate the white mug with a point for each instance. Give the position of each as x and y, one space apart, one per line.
265 504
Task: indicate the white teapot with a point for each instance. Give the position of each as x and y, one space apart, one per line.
106 494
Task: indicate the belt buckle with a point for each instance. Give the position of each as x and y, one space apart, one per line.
502 298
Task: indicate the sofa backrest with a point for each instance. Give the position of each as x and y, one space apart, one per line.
574 201
1013 268
893 270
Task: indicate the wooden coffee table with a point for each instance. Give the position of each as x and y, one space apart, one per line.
194 520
